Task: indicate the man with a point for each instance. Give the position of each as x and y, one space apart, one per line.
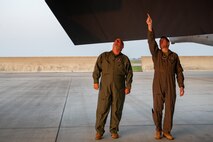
166 66
116 74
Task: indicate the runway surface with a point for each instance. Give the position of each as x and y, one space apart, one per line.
61 107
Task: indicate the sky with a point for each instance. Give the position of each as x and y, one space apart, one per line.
28 28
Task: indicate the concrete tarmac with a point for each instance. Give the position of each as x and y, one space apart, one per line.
61 107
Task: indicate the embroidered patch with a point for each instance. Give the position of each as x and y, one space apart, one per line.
118 60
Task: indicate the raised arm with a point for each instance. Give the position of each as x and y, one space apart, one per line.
153 47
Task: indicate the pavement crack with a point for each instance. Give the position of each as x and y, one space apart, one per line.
65 103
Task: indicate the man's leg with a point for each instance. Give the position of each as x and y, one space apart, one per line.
158 103
118 99
104 102
169 112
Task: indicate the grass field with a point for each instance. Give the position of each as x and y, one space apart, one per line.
137 68
136 65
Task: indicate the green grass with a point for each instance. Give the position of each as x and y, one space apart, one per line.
136 65
137 68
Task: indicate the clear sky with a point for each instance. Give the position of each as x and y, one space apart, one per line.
29 28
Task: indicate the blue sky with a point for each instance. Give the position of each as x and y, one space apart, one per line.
29 28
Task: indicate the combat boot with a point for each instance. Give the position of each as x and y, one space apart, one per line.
114 135
168 136
158 135
98 136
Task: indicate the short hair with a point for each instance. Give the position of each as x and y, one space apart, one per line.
164 37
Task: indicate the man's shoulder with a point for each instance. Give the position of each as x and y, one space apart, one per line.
174 53
105 53
125 57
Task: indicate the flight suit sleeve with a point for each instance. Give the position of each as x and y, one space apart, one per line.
129 74
179 74
97 69
153 47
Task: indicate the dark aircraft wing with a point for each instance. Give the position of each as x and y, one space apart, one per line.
98 21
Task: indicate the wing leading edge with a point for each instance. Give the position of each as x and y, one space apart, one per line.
98 21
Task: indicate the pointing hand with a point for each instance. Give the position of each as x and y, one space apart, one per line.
149 22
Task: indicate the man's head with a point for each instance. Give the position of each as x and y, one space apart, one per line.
164 44
117 47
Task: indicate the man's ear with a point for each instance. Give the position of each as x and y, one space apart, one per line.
168 44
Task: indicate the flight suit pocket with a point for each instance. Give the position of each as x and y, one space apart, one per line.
172 64
120 67
106 66
172 59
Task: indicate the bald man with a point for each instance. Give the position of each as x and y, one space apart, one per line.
116 74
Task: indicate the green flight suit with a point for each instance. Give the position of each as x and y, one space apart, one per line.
166 67
116 75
